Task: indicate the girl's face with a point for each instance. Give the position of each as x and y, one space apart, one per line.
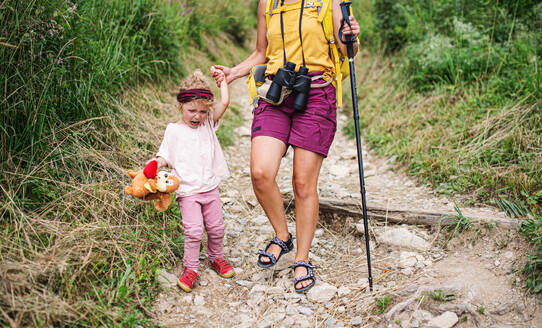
194 114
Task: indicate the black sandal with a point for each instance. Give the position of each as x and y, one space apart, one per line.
285 245
309 275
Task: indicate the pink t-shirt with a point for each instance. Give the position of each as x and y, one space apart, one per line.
195 156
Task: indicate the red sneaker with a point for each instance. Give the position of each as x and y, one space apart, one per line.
187 280
223 268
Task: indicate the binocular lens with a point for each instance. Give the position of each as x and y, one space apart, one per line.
299 82
285 77
302 86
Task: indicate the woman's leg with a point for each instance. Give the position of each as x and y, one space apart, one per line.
265 156
307 166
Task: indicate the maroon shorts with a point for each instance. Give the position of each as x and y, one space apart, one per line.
312 129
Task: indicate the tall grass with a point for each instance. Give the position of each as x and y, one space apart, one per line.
452 90
61 59
78 108
532 230
462 103
65 57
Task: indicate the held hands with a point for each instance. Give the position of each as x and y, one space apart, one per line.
218 72
355 30
221 73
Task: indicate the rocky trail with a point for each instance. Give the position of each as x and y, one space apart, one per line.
423 276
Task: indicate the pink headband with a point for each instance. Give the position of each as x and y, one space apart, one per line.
192 94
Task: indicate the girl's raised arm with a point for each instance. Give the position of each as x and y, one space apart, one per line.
224 96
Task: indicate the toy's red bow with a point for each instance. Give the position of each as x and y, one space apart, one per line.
151 169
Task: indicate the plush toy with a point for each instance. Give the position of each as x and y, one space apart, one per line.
148 184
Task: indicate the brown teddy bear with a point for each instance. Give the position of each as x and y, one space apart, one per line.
147 184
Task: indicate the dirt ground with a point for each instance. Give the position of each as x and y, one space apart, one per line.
422 276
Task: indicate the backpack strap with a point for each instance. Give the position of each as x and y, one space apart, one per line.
322 9
325 17
271 5
274 8
338 74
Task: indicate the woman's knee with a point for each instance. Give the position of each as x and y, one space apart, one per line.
303 187
261 177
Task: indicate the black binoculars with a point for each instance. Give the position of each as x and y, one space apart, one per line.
299 82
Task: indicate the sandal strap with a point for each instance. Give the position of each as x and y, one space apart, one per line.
269 255
303 278
309 275
282 244
308 265
310 272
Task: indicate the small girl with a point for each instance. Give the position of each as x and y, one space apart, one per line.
190 147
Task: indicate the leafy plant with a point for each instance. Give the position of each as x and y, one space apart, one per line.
441 296
390 23
383 303
466 55
460 223
511 208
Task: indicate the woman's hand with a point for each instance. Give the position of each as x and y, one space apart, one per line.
339 26
217 74
221 73
355 30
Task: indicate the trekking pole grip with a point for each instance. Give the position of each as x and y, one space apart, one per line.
348 39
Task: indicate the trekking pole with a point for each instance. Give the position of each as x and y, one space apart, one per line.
349 40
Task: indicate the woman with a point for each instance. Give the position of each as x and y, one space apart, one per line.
275 127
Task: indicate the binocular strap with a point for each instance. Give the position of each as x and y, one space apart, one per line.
319 85
285 92
262 92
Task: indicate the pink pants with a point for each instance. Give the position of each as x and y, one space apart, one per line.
197 211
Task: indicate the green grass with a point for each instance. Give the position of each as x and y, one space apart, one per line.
86 94
382 303
460 223
458 103
232 119
452 91
62 60
531 229
452 143
441 296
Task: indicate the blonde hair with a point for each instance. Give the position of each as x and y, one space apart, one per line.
196 81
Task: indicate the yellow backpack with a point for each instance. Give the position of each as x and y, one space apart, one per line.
325 17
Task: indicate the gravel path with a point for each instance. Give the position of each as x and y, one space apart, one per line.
422 277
